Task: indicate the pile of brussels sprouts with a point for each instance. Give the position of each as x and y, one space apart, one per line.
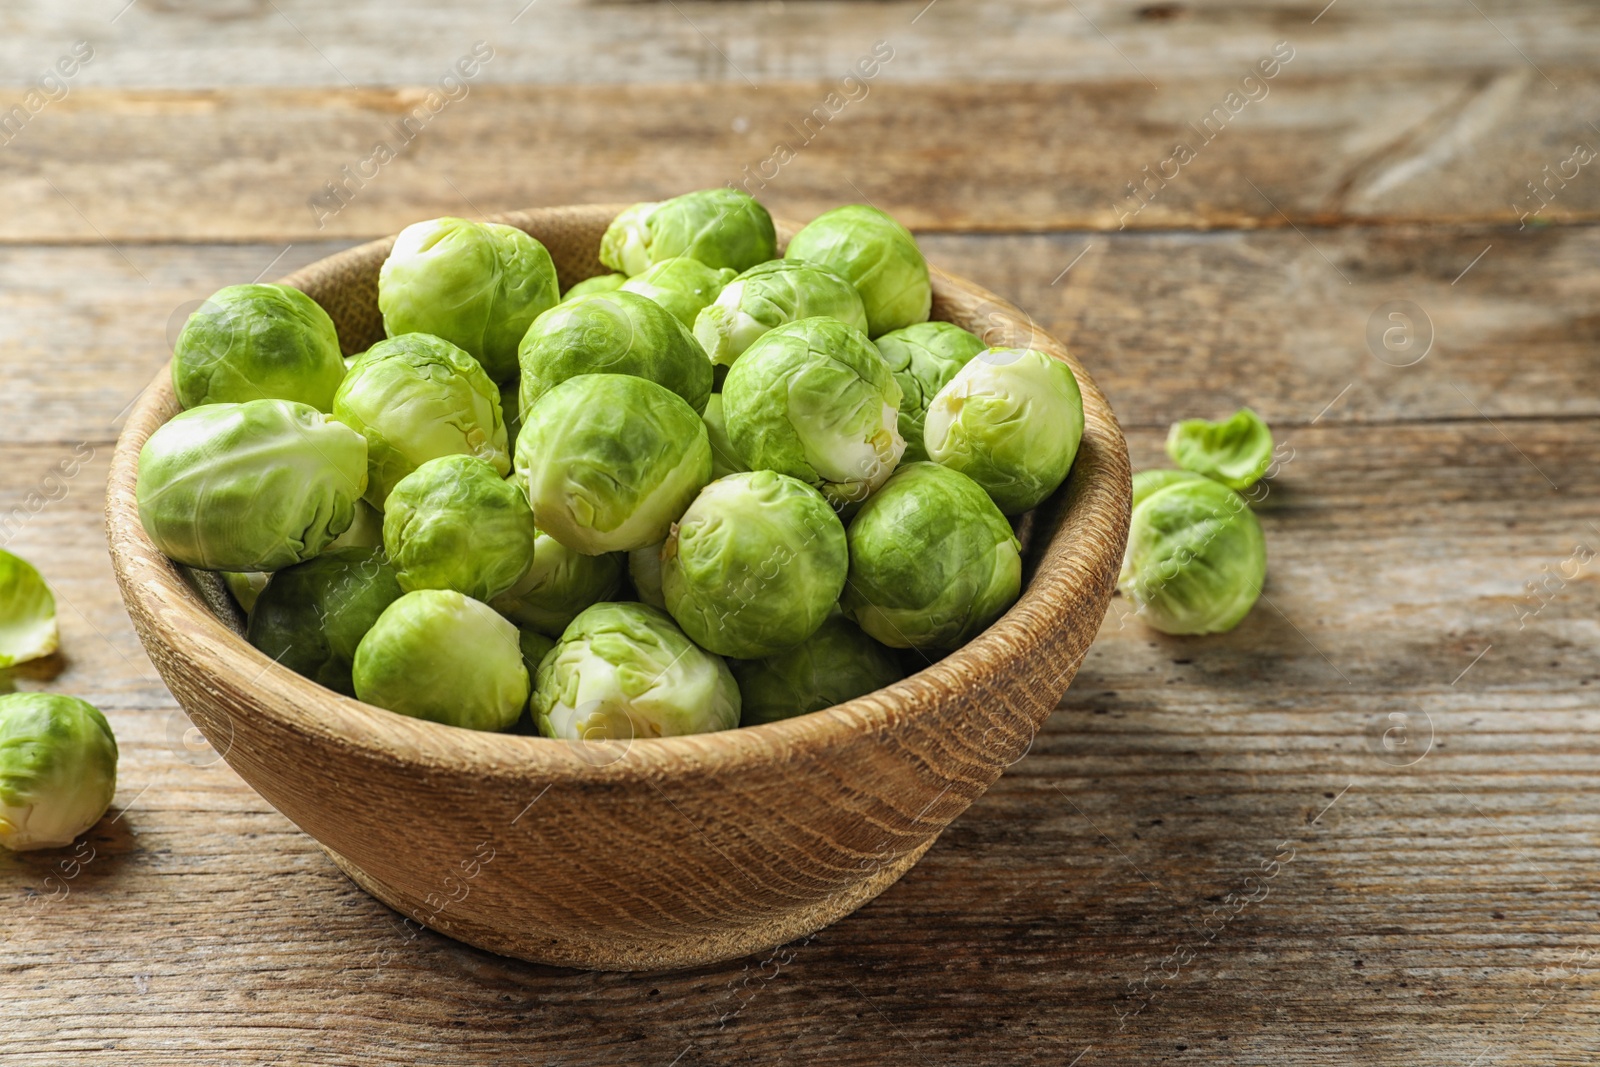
713 487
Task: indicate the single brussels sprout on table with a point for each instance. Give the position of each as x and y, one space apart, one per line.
625 670
249 487
559 584
681 285
28 628
438 655
1011 420
477 285
610 461
613 333
1235 452
813 399
58 769
311 617
932 560
258 342
454 523
833 665
767 296
724 457
644 572
924 357
1196 558
600 283
719 227
755 565
417 397
877 255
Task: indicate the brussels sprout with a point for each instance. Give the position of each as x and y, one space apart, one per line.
681 285
27 613
437 655
724 457
454 523
477 285
755 564
535 647
249 487
625 670
311 617
246 586
58 769
610 461
771 294
719 227
1196 558
416 398
600 283
613 333
932 560
364 531
923 358
814 400
257 342
1011 420
833 665
644 571
877 255
1235 452
559 584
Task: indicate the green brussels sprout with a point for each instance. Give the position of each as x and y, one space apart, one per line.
454 523
258 342
600 283
364 531
724 457
559 584
535 647
477 285
249 487
644 571
610 461
417 397
27 613
625 670
771 294
1011 420
311 617
613 333
833 665
246 586
681 285
755 564
923 358
58 769
877 255
1196 558
438 655
1235 452
720 227
814 400
932 560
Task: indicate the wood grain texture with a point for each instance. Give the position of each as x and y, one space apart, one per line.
666 852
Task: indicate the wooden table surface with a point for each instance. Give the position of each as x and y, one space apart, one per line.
1363 828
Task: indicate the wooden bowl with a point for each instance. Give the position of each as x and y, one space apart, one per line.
667 853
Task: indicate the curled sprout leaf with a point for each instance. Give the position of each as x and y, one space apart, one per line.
27 613
1236 451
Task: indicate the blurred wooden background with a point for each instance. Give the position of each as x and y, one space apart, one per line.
1362 828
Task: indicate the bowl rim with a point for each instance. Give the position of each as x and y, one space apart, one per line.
1077 561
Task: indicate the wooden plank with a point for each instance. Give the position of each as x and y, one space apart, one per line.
370 43
294 164
1171 324
1433 913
